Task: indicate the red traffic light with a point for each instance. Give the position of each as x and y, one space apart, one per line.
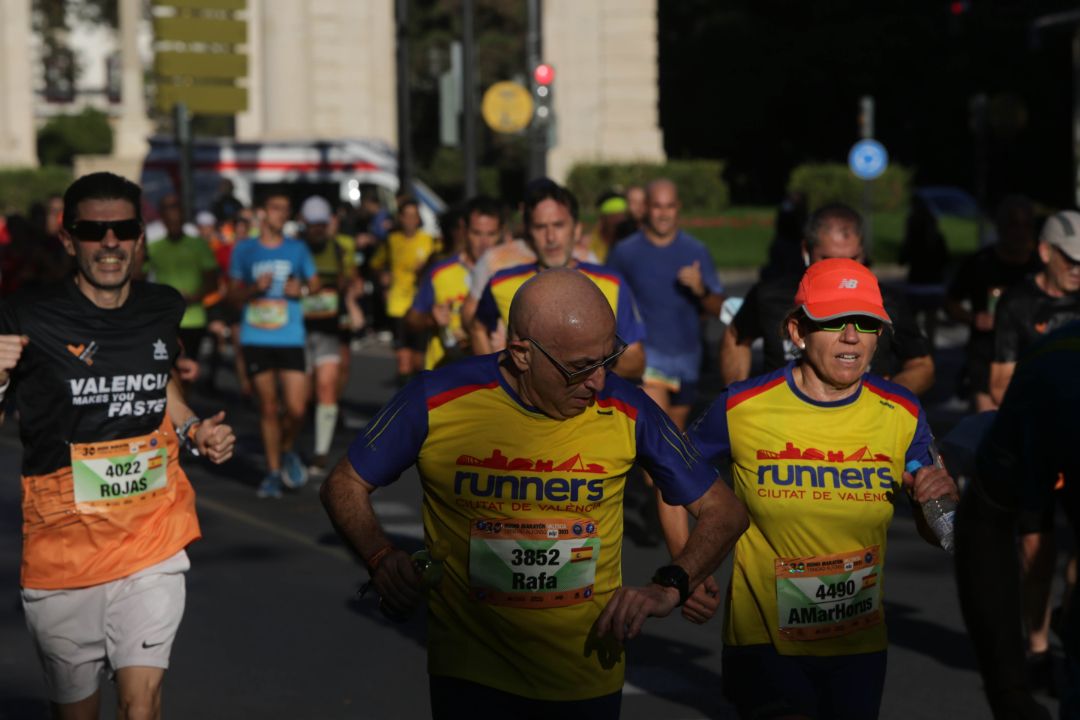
959 7
543 74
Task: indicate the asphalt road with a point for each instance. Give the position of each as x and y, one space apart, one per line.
273 628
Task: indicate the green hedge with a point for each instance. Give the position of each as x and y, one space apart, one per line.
832 182
65 136
21 187
701 182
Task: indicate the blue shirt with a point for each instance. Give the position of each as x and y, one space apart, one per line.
670 310
272 319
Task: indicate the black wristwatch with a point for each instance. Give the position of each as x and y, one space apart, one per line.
673 576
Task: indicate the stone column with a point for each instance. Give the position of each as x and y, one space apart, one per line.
605 92
132 127
18 141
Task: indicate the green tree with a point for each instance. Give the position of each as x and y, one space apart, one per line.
65 136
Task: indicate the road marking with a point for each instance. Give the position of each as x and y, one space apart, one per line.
299 538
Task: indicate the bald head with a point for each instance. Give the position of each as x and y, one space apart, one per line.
560 302
661 187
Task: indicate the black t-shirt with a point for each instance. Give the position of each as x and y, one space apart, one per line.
768 303
1024 314
89 374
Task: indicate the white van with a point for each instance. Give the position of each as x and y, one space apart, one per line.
335 169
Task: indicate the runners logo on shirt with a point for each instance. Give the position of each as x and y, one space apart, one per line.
791 452
160 351
84 352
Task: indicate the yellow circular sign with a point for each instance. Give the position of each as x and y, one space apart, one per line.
507 107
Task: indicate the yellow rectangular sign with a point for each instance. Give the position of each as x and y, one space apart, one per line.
203 4
204 99
200 65
204 30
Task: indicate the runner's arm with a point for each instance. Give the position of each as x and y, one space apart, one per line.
1000 375
631 365
347 499
211 437
916 374
735 356
11 348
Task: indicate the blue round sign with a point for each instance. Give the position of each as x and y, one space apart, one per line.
868 159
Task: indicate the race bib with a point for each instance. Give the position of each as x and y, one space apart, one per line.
117 471
828 595
267 314
321 305
533 563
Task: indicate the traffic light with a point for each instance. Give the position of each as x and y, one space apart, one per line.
543 77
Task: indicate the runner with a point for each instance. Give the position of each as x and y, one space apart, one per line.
817 451
437 307
1035 306
268 276
187 265
673 277
834 230
551 223
327 343
523 459
1032 440
107 509
401 259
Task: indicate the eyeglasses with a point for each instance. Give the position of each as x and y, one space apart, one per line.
864 325
574 377
95 230
1070 261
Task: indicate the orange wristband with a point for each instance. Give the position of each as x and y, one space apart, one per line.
374 561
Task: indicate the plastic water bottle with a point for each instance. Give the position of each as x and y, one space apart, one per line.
938 512
430 563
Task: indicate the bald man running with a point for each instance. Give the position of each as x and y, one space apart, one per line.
523 457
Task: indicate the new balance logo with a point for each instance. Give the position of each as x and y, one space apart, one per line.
848 284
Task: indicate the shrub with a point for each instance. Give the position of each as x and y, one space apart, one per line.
65 136
21 187
832 182
701 183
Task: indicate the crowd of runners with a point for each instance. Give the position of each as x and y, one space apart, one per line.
542 366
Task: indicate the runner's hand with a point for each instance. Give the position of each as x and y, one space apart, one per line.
264 281
930 483
703 602
398 583
625 614
441 313
690 276
293 287
11 347
984 321
187 369
214 439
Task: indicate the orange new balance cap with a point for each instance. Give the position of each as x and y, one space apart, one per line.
837 287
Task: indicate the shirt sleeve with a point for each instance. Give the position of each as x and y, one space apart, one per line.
747 321
669 456
307 263
487 312
425 294
628 322
391 442
919 449
709 433
1007 330
238 263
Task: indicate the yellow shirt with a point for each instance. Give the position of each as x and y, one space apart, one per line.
404 256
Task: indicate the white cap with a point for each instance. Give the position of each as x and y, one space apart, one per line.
315 210
205 217
1063 231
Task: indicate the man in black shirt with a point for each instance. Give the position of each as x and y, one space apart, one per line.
833 231
979 283
1039 304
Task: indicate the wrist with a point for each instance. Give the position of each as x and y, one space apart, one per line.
675 578
187 432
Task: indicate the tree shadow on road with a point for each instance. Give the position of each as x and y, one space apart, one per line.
670 669
945 644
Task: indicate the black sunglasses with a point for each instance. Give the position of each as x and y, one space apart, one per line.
95 230
864 325
576 376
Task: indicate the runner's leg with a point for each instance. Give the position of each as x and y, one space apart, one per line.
138 692
270 422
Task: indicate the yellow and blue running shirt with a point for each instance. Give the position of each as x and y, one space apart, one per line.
819 480
532 508
495 302
446 282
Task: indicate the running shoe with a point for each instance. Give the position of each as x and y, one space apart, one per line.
293 472
270 487
317 469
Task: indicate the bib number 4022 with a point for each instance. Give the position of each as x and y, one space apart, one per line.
832 591
124 469
521 556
